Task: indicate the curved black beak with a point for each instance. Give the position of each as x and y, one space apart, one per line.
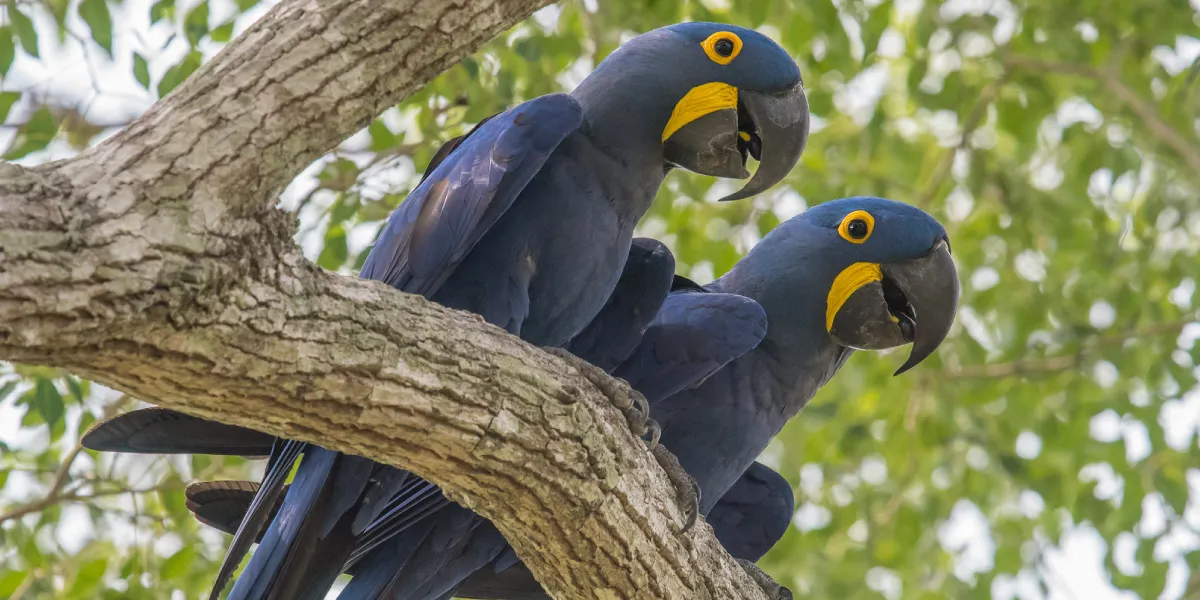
912 301
772 128
780 130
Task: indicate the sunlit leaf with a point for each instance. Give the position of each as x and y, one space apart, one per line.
176 74
23 26
195 24
95 14
8 49
48 401
141 70
34 134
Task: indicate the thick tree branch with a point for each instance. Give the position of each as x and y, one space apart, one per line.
296 83
154 264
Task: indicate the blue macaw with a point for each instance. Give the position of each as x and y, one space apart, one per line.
748 520
856 273
527 221
615 339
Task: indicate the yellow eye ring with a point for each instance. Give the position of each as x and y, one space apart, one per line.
857 227
722 47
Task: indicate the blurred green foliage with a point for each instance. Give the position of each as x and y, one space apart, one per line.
1059 141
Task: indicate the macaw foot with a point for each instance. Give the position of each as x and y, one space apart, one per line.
629 401
773 590
685 485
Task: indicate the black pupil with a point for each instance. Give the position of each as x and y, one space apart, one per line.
857 229
723 47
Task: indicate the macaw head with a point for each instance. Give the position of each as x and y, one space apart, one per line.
711 95
883 269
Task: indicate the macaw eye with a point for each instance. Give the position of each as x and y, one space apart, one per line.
857 226
722 47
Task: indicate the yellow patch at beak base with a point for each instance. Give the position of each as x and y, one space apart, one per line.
700 101
845 284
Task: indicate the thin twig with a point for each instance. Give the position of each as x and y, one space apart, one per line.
26 583
1054 364
945 165
47 501
58 491
1144 110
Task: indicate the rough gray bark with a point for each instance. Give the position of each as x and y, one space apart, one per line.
156 264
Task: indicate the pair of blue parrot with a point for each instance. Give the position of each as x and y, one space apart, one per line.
527 220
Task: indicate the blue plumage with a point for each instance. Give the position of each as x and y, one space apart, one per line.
717 426
526 221
460 200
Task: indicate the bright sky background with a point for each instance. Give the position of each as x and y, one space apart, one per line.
108 91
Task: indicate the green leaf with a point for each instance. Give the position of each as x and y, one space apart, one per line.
95 14
24 28
382 138
7 387
10 581
175 502
223 33
8 50
163 9
141 70
57 430
201 462
195 24
176 74
338 175
34 135
88 579
48 401
345 208
335 253
76 388
177 564
86 420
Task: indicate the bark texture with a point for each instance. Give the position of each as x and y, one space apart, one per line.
156 264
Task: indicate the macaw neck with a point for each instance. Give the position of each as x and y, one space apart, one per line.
622 127
797 353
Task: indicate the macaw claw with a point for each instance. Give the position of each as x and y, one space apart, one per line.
685 485
629 401
773 590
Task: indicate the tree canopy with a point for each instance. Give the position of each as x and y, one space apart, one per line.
1048 446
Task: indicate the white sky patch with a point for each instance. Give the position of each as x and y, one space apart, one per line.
959 204
968 536
1109 485
812 480
811 517
1180 420
1029 445
873 470
1105 374
859 97
1102 315
984 278
1078 567
886 582
788 203
702 272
